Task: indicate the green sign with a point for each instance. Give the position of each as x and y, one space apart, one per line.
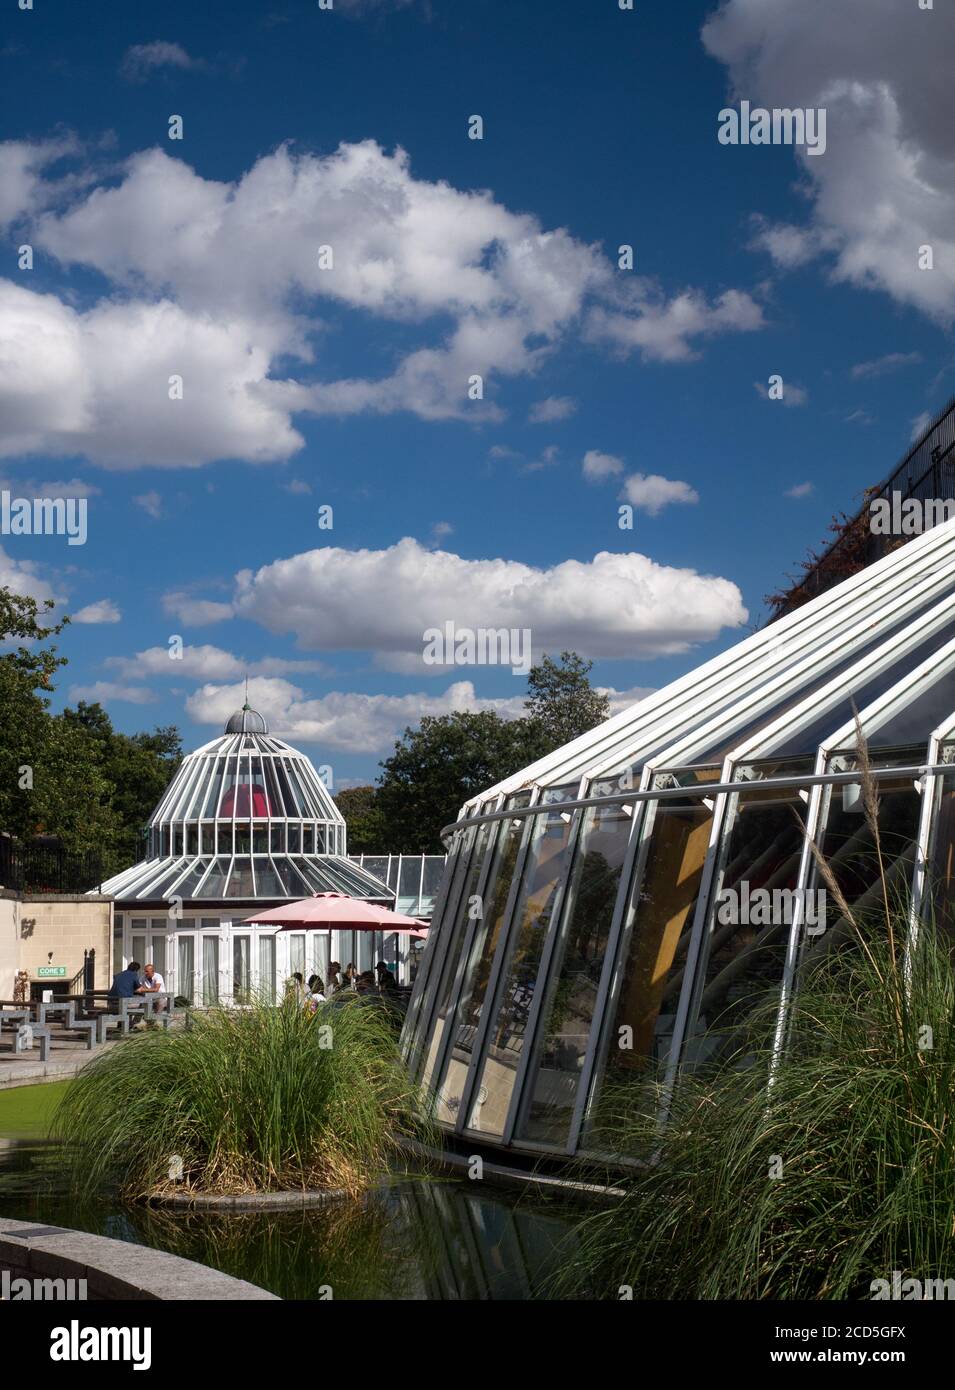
50 972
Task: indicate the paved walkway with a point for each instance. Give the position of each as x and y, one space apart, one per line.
67 1056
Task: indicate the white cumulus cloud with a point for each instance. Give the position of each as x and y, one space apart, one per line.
103 611
617 606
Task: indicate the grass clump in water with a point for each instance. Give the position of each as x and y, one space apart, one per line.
249 1100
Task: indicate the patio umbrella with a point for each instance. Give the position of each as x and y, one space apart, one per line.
336 910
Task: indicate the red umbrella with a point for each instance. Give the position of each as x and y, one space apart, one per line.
339 911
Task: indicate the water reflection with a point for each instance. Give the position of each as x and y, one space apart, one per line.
414 1238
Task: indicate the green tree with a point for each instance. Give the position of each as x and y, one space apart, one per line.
137 768
364 818
561 701
440 765
26 678
448 759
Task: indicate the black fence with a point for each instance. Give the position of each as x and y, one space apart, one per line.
926 472
47 869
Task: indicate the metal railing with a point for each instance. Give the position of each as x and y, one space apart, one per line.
926 472
27 868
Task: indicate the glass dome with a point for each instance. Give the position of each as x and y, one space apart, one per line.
604 951
246 817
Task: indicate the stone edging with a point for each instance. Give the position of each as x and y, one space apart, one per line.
254 1201
114 1269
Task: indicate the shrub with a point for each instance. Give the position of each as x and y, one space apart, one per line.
256 1099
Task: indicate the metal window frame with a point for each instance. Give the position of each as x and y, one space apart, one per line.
489 1006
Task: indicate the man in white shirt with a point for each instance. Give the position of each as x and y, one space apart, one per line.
153 983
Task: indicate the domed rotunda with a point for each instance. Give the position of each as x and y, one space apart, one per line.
245 823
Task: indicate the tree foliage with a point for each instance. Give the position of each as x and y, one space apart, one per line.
365 820
448 759
71 775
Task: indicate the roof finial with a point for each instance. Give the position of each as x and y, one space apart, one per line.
246 705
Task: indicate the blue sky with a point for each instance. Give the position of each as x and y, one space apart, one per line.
348 387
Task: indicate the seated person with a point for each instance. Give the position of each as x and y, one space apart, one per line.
125 983
153 982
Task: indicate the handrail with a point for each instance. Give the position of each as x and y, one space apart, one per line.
702 789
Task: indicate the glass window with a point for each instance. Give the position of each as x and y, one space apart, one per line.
242 969
267 882
940 887
297 954
651 961
862 693
409 881
185 974
750 918
849 847
918 715
267 968
533 917
214 790
157 953
575 974
191 882
241 883
295 839
294 799
210 970
477 971
215 883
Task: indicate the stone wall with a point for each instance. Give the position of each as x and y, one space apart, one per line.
54 929
9 941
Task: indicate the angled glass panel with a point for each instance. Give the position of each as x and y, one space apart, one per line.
941 857
863 691
539 895
241 881
748 923
214 886
477 968
652 956
456 928
189 884
267 880
574 976
856 861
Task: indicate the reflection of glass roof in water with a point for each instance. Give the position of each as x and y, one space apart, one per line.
246 817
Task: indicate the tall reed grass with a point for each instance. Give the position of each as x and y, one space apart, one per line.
838 1174
246 1100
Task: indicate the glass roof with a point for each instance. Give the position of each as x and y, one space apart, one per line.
246 817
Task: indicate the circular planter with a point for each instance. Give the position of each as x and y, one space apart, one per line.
255 1201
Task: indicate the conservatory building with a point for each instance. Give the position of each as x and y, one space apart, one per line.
247 824
618 908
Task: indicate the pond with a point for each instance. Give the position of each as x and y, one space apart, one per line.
413 1237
